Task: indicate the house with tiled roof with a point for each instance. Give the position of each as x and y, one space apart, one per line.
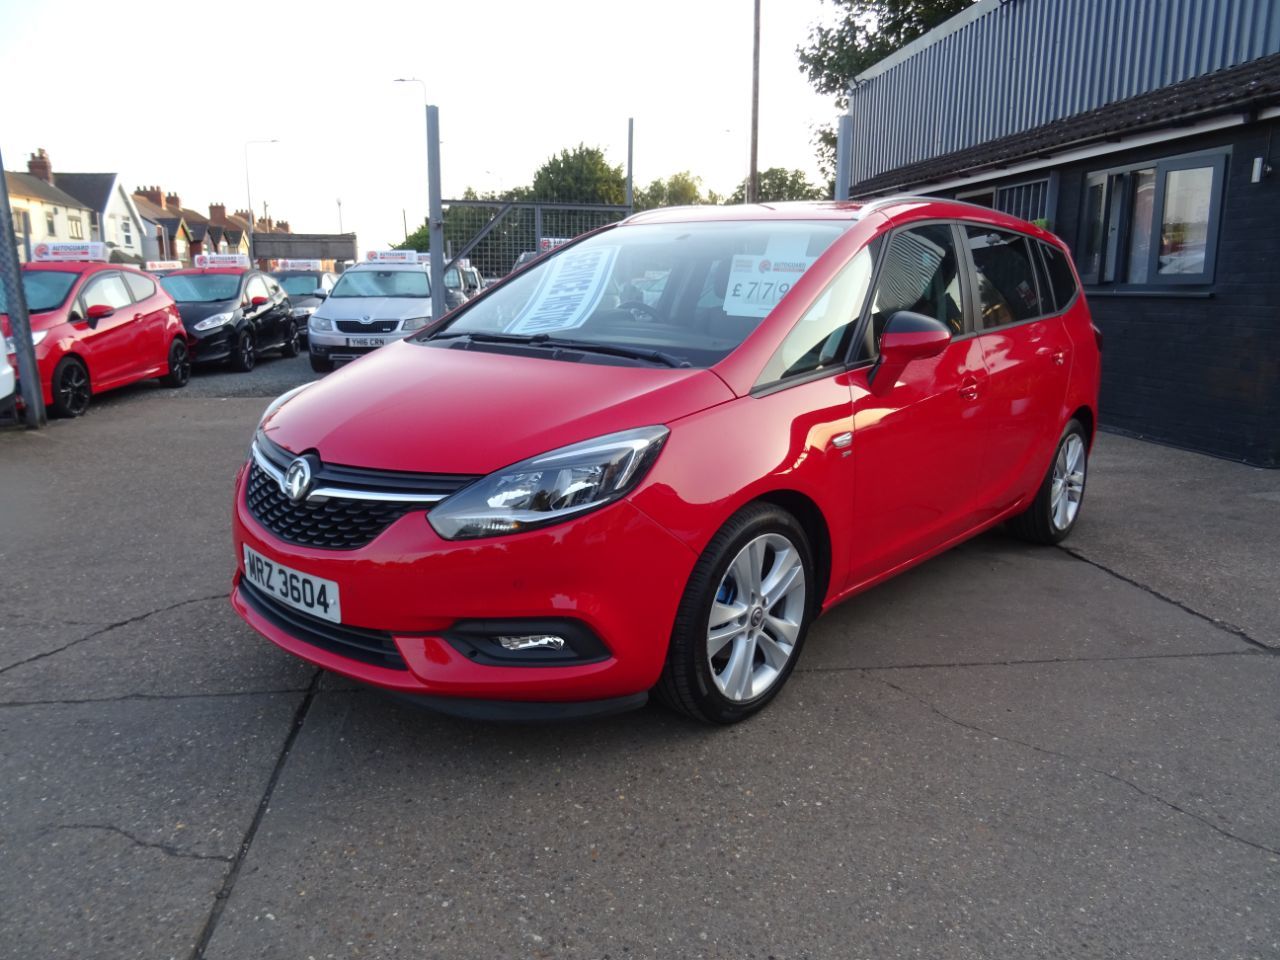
41 212
167 235
116 220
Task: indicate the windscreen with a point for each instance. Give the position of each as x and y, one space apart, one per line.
692 291
45 289
382 283
201 287
300 285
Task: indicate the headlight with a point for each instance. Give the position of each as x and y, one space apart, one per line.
321 323
213 322
551 487
417 323
281 400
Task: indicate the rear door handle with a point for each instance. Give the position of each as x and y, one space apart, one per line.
968 388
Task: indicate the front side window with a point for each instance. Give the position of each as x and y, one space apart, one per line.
921 273
1154 224
821 337
107 290
1005 276
382 283
256 287
690 291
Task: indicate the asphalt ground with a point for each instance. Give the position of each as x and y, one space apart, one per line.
1008 752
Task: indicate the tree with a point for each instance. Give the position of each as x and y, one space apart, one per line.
579 176
678 190
778 183
866 32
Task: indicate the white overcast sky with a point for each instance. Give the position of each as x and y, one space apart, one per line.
168 93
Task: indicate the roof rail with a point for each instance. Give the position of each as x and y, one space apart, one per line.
871 206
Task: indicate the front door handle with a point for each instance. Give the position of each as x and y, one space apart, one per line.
968 388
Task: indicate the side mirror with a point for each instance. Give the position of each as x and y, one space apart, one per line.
258 301
321 293
907 336
97 312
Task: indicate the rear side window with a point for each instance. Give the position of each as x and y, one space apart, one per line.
1005 276
1061 278
139 286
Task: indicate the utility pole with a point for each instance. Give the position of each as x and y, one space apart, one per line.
404 221
340 216
247 191
631 139
435 215
753 175
33 412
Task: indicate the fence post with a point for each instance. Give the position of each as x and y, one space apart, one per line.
33 413
434 213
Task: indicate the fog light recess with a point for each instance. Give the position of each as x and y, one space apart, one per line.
533 641
540 642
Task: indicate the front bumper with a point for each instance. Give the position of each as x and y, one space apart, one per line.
331 345
213 345
614 571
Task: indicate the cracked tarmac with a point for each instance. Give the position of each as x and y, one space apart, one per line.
1007 752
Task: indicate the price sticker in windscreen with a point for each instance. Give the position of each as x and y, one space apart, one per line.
756 284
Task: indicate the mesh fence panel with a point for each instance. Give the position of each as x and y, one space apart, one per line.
523 227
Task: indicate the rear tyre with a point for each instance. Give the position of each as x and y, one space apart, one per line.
743 618
1053 513
244 356
321 364
179 365
292 345
71 388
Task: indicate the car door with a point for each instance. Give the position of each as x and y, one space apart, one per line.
259 315
1027 353
281 312
109 343
153 342
918 441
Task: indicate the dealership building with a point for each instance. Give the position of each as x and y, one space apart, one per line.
1146 134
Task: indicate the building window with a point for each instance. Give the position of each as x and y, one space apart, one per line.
50 225
126 233
76 228
1152 225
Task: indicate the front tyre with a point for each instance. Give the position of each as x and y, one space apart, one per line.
71 388
292 345
179 365
743 618
244 354
1053 513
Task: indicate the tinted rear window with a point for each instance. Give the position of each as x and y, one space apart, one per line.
139 286
1060 276
1005 275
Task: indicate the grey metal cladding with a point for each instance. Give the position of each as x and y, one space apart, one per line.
1005 67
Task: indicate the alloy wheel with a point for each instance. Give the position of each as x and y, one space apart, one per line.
73 389
1068 482
756 617
180 363
247 353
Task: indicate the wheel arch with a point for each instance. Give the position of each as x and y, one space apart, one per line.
811 518
1087 420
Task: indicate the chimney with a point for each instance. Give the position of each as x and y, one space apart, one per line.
243 215
282 226
41 166
153 194
218 213
172 202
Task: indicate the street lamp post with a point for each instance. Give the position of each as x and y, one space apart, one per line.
435 215
249 192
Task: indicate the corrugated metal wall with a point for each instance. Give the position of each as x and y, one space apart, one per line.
1026 62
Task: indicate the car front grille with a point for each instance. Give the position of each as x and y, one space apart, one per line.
340 522
367 646
376 326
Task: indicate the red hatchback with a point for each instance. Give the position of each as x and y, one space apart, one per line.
98 326
568 494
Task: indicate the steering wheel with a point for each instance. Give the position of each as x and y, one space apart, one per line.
640 311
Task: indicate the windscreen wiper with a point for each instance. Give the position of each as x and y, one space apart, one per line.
586 346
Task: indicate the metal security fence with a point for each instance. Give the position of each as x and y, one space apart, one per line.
493 234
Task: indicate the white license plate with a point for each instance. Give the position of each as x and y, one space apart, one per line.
313 595
365 341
